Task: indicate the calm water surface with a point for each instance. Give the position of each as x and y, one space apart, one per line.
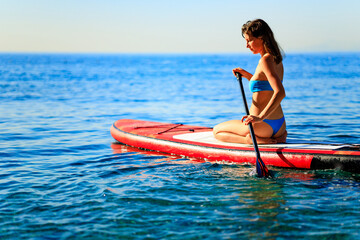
62 176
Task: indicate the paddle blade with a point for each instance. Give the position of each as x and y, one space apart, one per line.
261 169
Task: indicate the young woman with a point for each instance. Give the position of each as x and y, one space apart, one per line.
266 113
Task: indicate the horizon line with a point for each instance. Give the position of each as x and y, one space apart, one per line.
169 53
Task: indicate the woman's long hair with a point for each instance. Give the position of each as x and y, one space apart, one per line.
260 29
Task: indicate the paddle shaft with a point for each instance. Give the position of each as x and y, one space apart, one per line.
252 133
261 169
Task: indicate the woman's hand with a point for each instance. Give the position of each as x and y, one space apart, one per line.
237 70
242 72
250 119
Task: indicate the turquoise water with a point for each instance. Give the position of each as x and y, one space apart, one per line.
62 176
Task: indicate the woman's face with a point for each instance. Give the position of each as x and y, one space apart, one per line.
256 45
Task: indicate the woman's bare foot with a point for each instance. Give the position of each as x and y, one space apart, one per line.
282 138
266 140
260 140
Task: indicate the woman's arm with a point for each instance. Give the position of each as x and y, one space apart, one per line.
243 73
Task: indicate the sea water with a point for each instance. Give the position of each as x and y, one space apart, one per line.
62 176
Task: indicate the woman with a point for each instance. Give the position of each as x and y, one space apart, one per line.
266 113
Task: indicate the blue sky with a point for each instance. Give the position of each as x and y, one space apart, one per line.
166 26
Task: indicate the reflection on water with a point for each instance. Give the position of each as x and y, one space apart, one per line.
62 178
267 208
119 148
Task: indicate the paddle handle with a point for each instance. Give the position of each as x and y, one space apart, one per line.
252 133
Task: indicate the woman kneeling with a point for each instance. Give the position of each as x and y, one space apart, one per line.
266 113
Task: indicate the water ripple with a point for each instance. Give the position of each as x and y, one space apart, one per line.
62 177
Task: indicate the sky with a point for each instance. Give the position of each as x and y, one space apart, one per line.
169 26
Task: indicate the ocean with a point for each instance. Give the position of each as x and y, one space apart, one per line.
62 175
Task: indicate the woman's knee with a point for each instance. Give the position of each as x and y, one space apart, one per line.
219 136
221 127
216 129
248 139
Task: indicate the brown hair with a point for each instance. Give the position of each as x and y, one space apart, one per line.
260 29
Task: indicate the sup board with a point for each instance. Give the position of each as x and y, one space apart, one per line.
199 142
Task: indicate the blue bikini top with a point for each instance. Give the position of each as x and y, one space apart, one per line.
258 86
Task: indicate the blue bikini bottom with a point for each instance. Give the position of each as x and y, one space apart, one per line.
275 124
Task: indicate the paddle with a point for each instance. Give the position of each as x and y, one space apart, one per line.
261 169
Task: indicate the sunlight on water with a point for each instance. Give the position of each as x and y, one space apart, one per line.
62 176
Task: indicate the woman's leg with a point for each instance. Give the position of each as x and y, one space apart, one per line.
237 132
231 131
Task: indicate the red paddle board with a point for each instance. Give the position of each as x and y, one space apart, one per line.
199 142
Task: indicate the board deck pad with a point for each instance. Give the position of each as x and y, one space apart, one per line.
208 137
199 142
